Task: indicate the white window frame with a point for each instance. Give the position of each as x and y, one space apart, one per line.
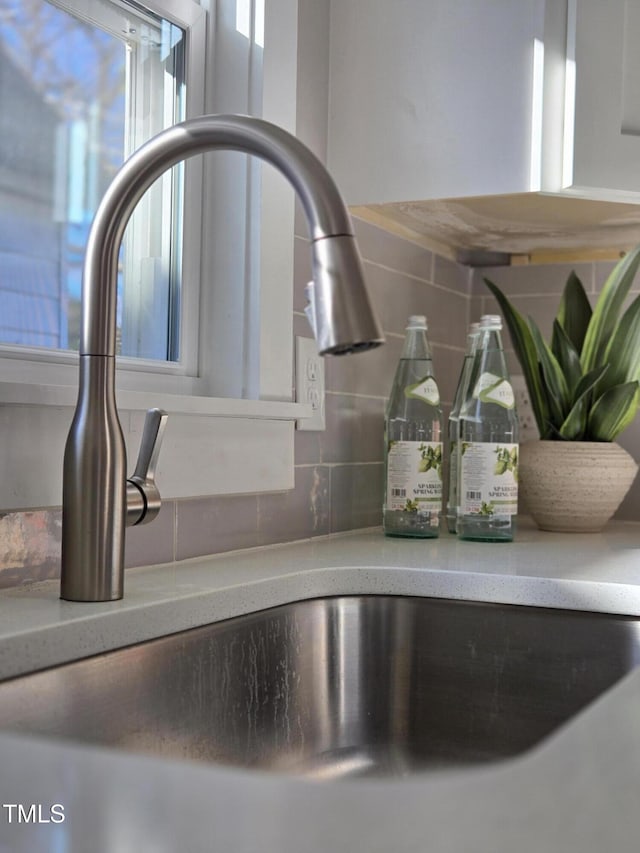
211 423
59 367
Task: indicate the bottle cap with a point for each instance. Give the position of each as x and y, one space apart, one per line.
417 321
491 321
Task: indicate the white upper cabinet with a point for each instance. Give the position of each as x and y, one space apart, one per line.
433 99
603 39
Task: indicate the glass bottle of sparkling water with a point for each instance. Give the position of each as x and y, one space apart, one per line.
454 426
488 464
413 441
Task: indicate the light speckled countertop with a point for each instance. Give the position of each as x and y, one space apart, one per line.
577 791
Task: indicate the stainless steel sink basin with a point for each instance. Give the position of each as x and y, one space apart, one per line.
333 687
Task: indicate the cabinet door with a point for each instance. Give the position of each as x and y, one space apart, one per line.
431 98
606 132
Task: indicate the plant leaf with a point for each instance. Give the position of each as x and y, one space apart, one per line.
575 424
574 312
558 393
623 349
567 356
605 314
527 356
613 411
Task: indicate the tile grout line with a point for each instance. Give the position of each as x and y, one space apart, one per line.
417 278
399 336
338 464
429 279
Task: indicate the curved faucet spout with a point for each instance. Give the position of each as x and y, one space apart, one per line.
95 486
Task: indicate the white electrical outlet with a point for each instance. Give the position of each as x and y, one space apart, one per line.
310 382
527 422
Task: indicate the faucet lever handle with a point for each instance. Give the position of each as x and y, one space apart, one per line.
143 496
152 433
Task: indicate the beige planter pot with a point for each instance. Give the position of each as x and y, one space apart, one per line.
574 486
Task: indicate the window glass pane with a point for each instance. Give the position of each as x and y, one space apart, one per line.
83 83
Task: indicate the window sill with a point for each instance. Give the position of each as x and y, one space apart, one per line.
34 394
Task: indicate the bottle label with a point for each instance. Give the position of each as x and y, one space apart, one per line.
494 389
414 477
426 389
488 479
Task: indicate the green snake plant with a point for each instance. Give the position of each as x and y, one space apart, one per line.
585 384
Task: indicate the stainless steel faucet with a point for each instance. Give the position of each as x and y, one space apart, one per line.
98 500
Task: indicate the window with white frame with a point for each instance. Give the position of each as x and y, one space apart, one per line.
232 240
204 282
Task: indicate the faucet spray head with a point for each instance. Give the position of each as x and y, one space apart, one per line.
339 309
